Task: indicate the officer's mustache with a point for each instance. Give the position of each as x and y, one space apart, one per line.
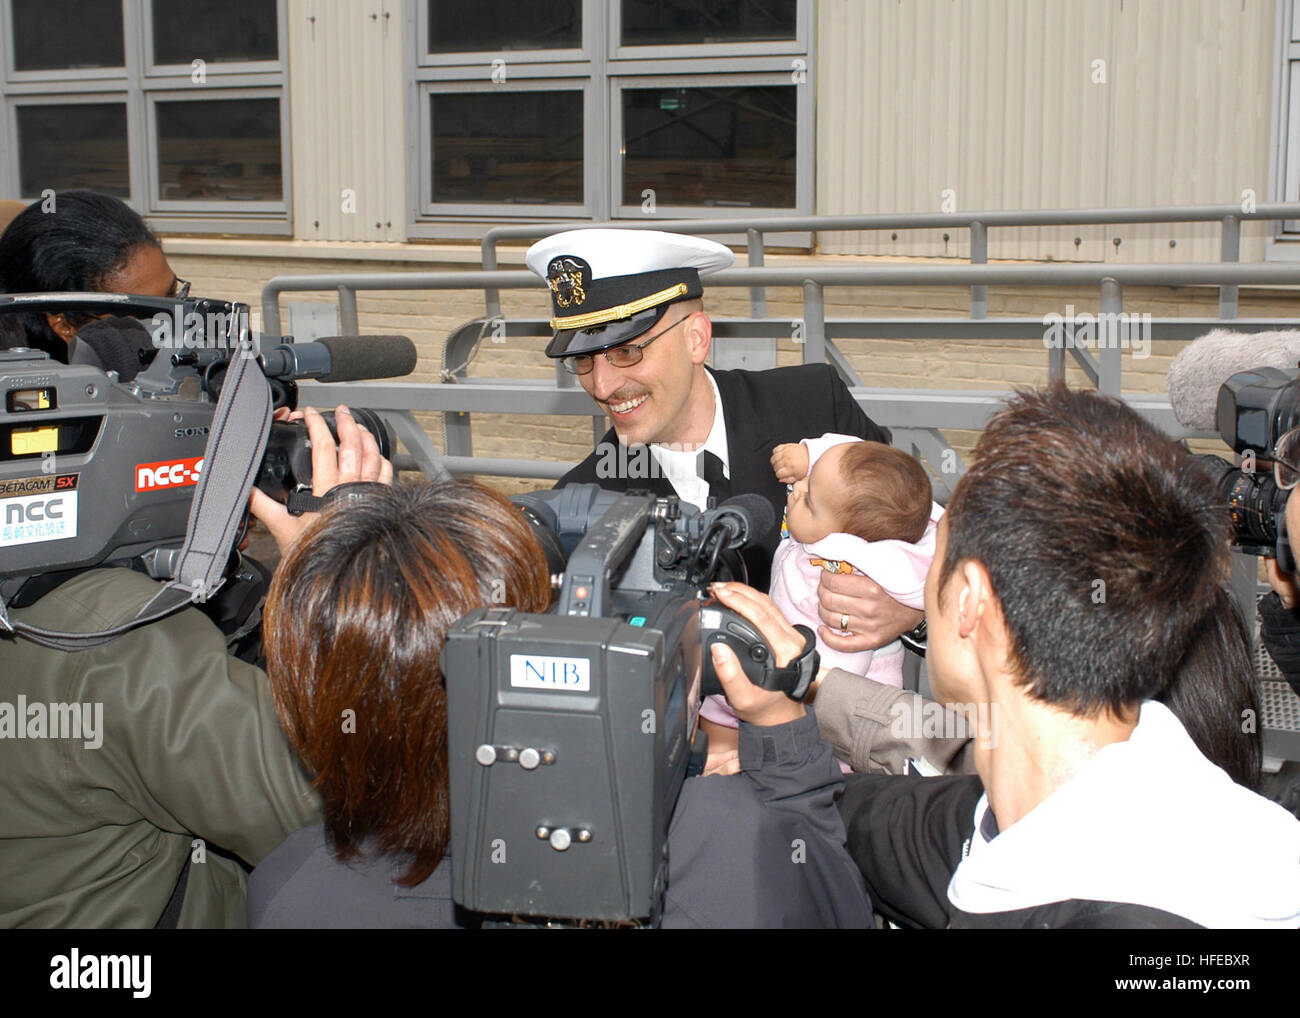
623 395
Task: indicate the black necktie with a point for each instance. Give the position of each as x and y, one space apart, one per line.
719 486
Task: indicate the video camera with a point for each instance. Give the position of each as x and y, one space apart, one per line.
571 733
1255 410
99 470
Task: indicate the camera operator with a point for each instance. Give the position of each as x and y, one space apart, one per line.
182 760
1092 806
355 622
85 242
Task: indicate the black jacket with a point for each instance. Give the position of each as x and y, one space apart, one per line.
763 848
908 835
762 409
1280 632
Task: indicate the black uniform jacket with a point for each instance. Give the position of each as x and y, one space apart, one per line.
762 409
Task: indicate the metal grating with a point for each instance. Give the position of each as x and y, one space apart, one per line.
1279 708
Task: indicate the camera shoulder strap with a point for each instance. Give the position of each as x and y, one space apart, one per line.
231 460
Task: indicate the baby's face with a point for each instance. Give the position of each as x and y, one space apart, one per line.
814 508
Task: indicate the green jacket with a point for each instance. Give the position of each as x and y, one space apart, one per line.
189 748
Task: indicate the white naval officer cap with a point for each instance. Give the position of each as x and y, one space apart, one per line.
609 286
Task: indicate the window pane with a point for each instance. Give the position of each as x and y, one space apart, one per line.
219 150
679 22
512 147
59 34
710 146
468 26
216 31
81 145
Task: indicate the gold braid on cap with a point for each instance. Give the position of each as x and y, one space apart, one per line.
620 311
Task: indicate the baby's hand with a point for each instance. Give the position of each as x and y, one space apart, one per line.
790 462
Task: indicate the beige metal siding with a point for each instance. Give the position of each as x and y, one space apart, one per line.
995 101
345 68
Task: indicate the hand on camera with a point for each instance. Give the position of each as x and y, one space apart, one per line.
1283 583
355 458
790 462
752 703
859 615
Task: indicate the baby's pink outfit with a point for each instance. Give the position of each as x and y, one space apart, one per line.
898 566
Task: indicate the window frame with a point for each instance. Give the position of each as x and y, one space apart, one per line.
163 206
139 84
479 58
803 146
800 45
473 210
602 68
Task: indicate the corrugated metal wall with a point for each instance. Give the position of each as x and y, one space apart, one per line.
1002 102
345 96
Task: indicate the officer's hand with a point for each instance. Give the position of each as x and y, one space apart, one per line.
355 458
752 703
859 615
790 462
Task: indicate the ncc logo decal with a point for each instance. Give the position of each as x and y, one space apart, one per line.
168 474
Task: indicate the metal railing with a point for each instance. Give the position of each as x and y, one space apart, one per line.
916 416
978 224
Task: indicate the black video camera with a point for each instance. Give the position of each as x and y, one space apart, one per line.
95 470
571 733
1255 409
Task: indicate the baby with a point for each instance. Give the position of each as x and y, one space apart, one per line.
854 507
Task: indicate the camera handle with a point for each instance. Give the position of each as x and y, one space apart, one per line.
603 549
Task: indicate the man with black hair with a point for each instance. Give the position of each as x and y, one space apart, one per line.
1077 559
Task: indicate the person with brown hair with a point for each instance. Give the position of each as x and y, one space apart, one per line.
354 626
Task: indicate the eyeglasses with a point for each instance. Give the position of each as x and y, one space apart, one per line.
180 288
1286 460
623 356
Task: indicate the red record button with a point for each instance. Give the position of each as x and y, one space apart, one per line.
581 593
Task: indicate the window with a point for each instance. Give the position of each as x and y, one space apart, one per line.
176 107
600 109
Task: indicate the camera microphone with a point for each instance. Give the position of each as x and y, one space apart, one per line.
747 518
341 358
1202 367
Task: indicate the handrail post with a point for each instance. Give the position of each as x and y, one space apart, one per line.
979 255
271 310
814 323
757 294
1229 251
348 322
1110 329
491 295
